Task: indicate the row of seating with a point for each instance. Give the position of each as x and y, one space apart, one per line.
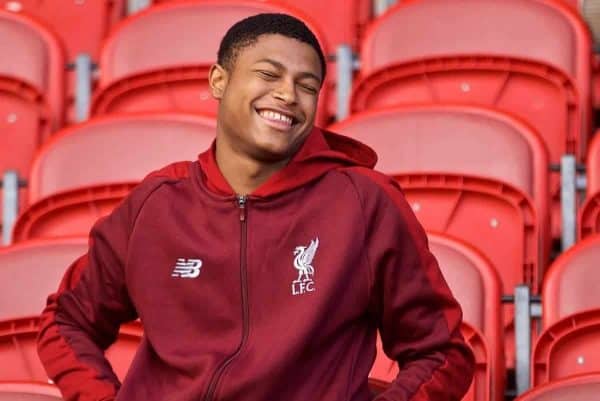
488 192
582 388
567 345
472 154
149 64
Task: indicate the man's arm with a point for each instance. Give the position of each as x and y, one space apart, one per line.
418 318
83 318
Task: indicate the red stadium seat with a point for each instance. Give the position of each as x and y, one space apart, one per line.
571 283
67 17
46 261
149 62
468 172
579 388
570 341
477 287
542 31
589 214
28 391
385 371
20 361
31 90
351 16
540 72
84 171
568 347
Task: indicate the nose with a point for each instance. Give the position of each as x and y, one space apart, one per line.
285 92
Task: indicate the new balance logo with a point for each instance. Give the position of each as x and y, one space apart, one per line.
187 268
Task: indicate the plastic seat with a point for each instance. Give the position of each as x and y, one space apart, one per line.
570 341
20 361
33 270
351 16
384 371
589 214
31 90
28 391
539 70
579 388
543 32
568 347
85 170
571 283
149 63
66 18
468 172
477 287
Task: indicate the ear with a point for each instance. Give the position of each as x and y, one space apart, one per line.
217 79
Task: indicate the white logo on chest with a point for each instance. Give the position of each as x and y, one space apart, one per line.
187 268
303 259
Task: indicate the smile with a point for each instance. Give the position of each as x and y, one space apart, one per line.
277 119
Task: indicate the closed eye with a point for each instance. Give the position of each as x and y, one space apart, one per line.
309 88
268 75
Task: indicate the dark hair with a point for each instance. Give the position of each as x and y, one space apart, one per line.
246 32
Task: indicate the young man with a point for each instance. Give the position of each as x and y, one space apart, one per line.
262 271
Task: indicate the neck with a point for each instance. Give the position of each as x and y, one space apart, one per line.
243 173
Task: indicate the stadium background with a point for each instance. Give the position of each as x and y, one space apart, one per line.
483 110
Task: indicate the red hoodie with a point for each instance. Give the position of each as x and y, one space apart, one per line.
273 296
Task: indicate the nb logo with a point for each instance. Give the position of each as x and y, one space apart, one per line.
187 268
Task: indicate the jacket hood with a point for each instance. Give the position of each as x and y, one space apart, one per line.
321 152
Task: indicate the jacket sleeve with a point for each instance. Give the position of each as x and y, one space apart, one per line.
418 318
82 319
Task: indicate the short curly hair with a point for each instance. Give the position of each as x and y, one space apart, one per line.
246 32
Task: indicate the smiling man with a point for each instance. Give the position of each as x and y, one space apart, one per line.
264 270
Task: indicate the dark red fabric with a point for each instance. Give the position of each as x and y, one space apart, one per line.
249 326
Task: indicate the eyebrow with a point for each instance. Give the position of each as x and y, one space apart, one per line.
277 64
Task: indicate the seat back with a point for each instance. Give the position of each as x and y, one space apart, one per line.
86 170
593 166
149 63
31 89
351 16
494 218
589 213
28 391
571 283
384 370
580 388
466 57
20 361
589 217
510 28
478 289
117 149
568 347
474 282
66 17
461 140
454 139
31 271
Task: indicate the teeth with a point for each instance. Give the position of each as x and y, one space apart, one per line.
273 115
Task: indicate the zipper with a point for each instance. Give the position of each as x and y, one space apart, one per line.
210 393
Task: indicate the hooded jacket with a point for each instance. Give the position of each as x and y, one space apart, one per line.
273 296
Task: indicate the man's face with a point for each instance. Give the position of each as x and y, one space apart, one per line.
268 98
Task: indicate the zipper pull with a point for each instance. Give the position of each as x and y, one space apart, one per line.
241 199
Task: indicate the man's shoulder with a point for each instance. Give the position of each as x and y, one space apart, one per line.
372 181
174 171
